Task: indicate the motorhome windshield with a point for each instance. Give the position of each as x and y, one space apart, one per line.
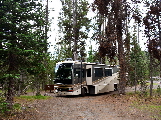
63 73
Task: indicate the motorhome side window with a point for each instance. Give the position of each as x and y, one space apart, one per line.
77 71
89 72
98 72
108 72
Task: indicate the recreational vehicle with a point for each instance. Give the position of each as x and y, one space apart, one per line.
81 78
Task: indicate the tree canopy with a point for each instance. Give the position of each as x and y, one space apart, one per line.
23 42
74 26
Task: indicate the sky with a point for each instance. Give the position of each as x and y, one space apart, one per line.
53 16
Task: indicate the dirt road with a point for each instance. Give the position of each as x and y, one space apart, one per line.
98 107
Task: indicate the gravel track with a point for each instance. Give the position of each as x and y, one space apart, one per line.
97 107
107 106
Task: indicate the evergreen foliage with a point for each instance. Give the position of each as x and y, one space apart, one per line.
22 43
153 33
74 27
115 12
138 64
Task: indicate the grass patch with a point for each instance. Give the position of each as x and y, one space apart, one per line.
24 100
33 97
153 83
150 106
146 93
132 93
153 110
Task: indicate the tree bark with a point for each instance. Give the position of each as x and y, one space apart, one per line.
159 28
121 55
11 82
10 93
122 63
151 75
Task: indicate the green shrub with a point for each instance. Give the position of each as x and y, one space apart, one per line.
3 105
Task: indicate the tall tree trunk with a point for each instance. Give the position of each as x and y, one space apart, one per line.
10 92
75 52
38 86
46 26
151 75
122 63
69 3
135 77
121 55
159 28
11 82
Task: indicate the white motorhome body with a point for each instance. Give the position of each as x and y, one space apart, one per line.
79 78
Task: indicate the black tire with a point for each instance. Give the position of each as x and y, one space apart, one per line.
83 92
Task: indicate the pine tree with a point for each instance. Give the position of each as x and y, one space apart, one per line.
22 39
153 33
114 11
138 65
74 27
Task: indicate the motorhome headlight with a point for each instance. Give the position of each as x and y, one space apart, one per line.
70 89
